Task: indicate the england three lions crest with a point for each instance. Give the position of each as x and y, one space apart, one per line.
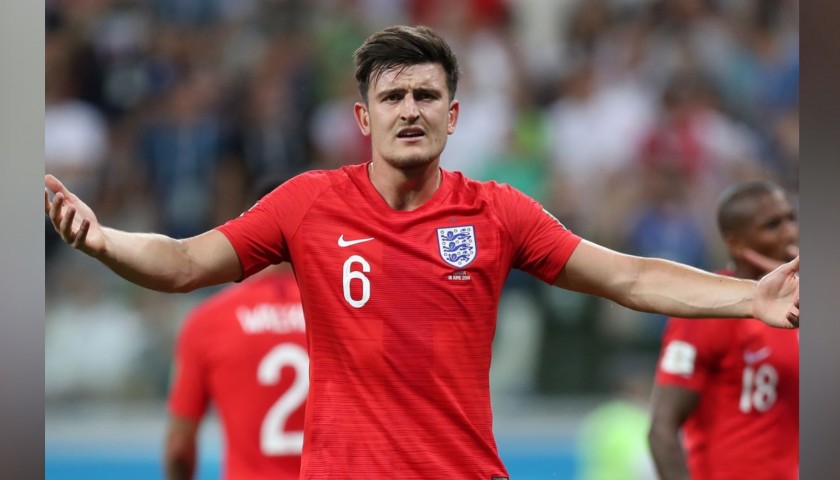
457 245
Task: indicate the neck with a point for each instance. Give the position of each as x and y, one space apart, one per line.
405 188
745 271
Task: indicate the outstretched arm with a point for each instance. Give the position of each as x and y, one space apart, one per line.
673 289
181 448
670 406
150 260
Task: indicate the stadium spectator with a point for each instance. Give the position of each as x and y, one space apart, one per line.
182 148
400 265
595 130
129 54
732 387
75 132
244 351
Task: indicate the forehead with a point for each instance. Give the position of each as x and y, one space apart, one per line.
771 205
425 75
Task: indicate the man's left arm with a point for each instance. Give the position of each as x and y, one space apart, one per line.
673 289
181 448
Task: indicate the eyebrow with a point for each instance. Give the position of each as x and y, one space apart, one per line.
787 214
420 90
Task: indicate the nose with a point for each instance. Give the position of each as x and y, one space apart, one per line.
791 231
408 109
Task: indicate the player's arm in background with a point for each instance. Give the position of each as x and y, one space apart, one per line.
180 453
150 260
669 288
188 397
670 406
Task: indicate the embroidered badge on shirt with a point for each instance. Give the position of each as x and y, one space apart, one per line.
678 358
457 245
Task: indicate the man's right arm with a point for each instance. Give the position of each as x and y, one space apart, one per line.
150 260
670 407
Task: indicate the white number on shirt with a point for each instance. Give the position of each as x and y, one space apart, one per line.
274 439
356 275
758 389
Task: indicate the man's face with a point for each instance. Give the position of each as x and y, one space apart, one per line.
408 115
774 228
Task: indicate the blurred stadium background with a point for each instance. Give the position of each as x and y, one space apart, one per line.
625 118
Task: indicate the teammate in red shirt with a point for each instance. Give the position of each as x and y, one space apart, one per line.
732 387
244 350
400 265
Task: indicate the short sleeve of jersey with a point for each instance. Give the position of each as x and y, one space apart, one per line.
691 350
542 244
260 235
189 393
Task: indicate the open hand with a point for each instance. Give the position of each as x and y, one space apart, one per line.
777 303
72 218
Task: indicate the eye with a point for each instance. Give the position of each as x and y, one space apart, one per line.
773 224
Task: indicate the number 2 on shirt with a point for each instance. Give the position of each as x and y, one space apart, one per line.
274 439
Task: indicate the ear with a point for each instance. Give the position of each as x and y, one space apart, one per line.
454 110
360 112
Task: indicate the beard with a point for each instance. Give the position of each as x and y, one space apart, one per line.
410 162
414 160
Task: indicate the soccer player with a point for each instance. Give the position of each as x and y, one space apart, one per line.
732 387
244 350
400 265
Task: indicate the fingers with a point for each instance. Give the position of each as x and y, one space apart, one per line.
794 264
62 216
54 184
46 201
793 315
82 234
66 225
793 318
55 211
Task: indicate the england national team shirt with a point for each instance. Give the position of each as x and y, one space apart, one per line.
746 423
401 310
244 350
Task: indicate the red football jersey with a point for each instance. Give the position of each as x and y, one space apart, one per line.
244 349
401 310
746 423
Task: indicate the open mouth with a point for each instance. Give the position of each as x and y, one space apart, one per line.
411 132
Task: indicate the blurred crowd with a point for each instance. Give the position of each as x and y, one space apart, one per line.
625 118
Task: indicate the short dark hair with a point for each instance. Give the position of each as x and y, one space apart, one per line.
402 46
735 205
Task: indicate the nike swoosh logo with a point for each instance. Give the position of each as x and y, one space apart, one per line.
757 356
347 243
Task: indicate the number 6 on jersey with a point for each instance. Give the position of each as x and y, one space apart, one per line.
350 275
